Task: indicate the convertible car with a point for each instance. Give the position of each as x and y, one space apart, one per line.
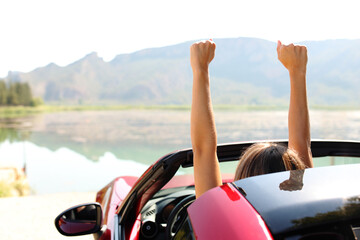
318 203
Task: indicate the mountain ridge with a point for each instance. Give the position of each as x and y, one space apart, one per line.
245 71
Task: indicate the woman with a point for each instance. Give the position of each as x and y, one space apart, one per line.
259 158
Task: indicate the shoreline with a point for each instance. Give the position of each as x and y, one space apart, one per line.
23 111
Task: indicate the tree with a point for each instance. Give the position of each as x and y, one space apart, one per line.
3 93
17 94
27 94
23 93
12 97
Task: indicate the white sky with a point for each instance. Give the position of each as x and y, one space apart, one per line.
35 33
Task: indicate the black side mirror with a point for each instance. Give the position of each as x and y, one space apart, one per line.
80 220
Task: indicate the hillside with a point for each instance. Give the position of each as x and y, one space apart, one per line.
244 71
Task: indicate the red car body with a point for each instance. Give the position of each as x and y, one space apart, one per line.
316 206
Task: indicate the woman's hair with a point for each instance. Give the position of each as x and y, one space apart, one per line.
263 158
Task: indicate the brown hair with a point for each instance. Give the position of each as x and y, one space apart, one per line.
263 158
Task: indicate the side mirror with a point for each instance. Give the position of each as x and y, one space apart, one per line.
80 220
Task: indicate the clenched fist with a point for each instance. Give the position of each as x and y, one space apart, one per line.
201 54
293 57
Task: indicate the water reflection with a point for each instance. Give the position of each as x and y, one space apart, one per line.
14 130
78 144
156 132
143 136
64 170
349 210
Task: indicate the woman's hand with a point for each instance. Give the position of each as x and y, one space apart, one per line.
201 54
293 57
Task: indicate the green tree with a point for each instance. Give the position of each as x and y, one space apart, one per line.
17 94
3 93
27 94
12 97
18 90
23 93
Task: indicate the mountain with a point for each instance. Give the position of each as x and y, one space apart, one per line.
244 71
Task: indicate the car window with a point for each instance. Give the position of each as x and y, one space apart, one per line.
335 160
229 167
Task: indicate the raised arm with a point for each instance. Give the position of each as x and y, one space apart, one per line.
294 58
203 131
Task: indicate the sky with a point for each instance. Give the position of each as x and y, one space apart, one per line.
35 33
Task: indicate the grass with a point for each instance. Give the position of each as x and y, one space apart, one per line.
21 111
19 187
335 108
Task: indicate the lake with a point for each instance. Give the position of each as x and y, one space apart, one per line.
84 150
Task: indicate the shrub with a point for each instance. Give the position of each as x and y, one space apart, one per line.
5 190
